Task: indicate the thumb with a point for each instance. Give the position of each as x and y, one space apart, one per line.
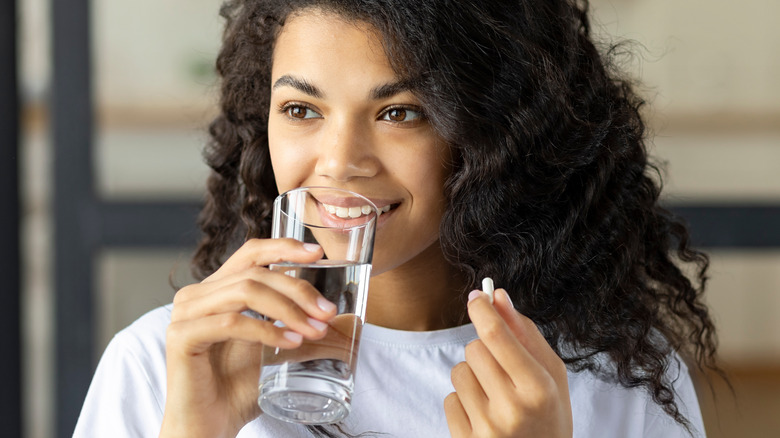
524 329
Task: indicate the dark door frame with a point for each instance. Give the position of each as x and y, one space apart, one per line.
84 223
10 213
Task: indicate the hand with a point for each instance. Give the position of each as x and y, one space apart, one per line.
213 350
512 383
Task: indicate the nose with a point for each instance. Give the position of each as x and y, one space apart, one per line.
346 151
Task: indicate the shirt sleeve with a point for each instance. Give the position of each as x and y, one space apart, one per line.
126 396
603 408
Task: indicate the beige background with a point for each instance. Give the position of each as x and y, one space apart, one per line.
711 70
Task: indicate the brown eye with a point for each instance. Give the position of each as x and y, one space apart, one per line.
397 115
402 115
300 112
297 112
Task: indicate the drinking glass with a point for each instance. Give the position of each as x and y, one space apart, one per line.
313 383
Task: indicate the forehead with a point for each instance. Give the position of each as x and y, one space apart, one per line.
319 40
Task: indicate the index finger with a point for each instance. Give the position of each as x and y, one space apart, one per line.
506 348
526 332
263 252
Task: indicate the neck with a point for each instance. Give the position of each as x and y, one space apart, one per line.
420 295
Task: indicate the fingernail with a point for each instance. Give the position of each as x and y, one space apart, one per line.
318 325
293 337
325 305
508 298
311 247
473 294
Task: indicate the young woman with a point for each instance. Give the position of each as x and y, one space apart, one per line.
504 145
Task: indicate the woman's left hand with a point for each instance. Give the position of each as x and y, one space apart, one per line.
512 383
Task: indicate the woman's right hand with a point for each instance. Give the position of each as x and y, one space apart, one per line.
213 350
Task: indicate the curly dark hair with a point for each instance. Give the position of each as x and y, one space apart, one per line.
552 192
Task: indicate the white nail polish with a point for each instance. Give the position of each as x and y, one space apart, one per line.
293 337
318 325
311 247
325 305
508 298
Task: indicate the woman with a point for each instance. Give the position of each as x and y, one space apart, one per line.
503 145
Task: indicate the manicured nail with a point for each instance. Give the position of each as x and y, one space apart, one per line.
311 247
508 298
318 325
293 337
473 294
325 305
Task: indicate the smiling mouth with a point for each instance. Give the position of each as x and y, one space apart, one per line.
353 212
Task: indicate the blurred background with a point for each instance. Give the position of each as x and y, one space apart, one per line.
104 109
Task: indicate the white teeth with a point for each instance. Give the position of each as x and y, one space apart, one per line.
353 212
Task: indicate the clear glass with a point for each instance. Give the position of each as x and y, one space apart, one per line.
313 383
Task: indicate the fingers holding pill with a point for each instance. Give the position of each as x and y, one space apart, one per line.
516 384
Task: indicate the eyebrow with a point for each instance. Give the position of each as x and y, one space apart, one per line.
379 92
391 89
300 84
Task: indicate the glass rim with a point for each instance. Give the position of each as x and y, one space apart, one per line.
365 224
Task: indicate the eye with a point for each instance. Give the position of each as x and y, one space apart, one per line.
401 114
300 112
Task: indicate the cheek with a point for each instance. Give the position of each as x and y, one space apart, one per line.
288 160
431 203
424 174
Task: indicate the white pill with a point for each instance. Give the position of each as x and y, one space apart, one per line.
487 287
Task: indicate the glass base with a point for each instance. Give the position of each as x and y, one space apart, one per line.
305 400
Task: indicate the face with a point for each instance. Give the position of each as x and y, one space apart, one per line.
340 117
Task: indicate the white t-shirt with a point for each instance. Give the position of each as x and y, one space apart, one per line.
401 381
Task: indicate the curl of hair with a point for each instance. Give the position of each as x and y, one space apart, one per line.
552 194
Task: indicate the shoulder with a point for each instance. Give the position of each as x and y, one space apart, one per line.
149 328
602 407
140 347
127 393
142 343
